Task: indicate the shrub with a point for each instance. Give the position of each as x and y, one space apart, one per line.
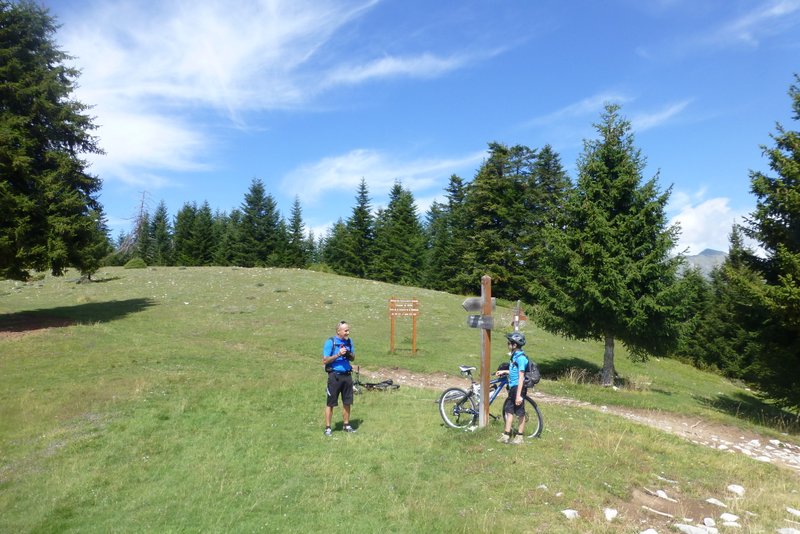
136 263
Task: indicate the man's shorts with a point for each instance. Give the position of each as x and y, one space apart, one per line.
509 405
340 384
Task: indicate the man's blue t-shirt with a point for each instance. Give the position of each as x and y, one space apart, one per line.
519 362
332 346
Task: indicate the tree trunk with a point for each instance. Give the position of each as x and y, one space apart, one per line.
608 372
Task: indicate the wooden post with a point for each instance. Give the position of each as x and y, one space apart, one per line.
486 351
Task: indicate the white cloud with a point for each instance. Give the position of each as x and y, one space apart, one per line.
706 224
647 121
420 66
766 19
148 69
378 169
590 106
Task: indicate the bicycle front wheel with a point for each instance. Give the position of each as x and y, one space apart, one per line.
457 408
533 419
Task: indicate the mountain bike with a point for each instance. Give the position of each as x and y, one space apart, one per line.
383 385
459 408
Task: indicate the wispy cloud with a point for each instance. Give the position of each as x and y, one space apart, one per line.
589 106
766 19
151 69
421 66
646 121
763 19
379 169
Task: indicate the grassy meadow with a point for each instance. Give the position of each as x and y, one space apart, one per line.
191 400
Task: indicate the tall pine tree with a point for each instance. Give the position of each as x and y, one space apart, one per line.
357 250
49 211
607 274
775 225
399 240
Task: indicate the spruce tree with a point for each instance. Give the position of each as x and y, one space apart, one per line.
357 249
399 240
495 219
184 229
775 225
607 273
297 253
203 239
161 236
447 238
48 201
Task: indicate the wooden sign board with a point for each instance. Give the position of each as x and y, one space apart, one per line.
403 308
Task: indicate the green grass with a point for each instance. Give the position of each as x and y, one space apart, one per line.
191 400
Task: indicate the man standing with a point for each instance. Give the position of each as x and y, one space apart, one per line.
336 356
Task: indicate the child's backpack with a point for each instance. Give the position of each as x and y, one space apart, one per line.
532 375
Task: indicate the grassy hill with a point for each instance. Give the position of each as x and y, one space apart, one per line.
191 399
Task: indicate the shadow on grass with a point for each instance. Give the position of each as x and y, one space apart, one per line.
753 409
555 369
91 312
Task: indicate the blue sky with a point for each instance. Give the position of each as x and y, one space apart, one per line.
194 99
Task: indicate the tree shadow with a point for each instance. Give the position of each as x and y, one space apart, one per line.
91 312
751 408
555 369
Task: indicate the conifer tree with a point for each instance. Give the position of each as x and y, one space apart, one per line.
447 240
161 236
495 219
297 253
203 239
184 228
356 252
399 240
333 245
775 294
607 274
49 211
259 234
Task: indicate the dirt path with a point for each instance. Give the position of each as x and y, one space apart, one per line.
726 438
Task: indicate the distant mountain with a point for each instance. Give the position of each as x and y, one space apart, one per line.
706 260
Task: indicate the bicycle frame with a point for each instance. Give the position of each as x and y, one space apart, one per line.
496 385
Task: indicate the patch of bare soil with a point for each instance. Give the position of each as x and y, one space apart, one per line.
725 438
20 324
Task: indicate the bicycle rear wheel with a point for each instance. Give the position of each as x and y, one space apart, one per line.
457 408
533 419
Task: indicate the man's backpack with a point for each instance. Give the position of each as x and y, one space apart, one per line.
329 366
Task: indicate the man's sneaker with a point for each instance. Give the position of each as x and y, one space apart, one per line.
328 431
504 438
518 440
348 428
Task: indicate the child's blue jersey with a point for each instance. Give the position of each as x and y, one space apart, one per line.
519 362
332 346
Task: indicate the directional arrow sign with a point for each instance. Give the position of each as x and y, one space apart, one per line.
480 321
475 304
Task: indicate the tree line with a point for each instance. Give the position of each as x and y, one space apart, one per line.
594 259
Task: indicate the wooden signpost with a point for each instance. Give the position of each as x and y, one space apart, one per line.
485 304
404 308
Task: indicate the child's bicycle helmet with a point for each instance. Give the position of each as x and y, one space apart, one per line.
517 338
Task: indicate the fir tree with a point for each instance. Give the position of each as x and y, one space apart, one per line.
184 228
161 236
48 201
775 291
357 249
399 240
607 273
